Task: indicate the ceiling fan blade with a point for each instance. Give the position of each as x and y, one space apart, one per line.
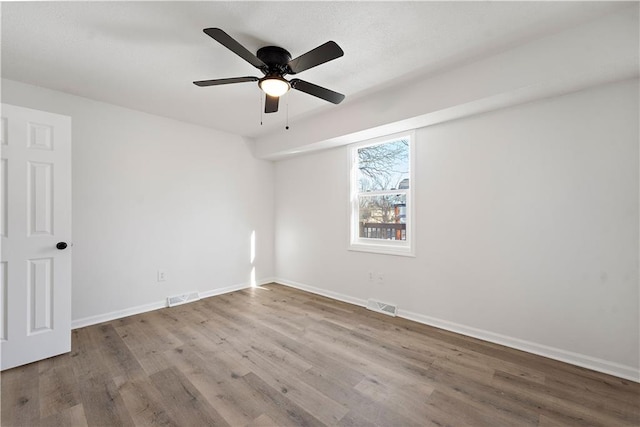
227 41
323 53
318 91
216 82
271 104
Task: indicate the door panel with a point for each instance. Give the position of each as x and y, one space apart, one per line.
40 288
40 196
35 305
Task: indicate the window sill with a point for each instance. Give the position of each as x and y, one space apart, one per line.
382 249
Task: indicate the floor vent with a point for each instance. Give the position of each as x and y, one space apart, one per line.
381 307
182 299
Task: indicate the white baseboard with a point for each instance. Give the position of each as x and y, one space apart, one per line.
118 314
595 364
106 317
266 281
323 292
225 290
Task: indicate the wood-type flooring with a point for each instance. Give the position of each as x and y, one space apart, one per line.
277 356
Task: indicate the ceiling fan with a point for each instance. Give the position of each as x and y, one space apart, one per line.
275 63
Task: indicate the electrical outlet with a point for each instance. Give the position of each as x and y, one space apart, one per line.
162 275
371 276
380 278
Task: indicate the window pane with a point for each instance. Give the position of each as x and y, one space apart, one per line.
384 166
383 217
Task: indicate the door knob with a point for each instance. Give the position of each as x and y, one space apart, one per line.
61 245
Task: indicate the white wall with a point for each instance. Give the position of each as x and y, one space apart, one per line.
527 228
152 193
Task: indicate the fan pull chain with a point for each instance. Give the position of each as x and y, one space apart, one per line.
261 109
287 123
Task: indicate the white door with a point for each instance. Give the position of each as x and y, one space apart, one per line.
35 216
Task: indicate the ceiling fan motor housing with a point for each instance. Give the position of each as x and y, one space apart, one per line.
276 59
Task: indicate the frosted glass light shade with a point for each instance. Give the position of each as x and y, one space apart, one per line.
274 86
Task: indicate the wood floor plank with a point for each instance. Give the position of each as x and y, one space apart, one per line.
85 354
353 420
600 386
184 400
361 407
482 395
276 341
458 412
307 397
145 404
58 390
280 403
570 408
410 399
262 421
113 353
147 342
232 398
278 356
20 395
102 403
73 416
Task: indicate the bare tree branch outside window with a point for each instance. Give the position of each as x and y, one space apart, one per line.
383 167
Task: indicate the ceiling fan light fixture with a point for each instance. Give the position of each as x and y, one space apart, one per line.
274 86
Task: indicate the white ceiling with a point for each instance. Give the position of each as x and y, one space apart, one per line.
145 55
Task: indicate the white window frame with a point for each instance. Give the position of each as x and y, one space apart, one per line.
381 246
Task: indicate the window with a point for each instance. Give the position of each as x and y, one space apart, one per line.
381 195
